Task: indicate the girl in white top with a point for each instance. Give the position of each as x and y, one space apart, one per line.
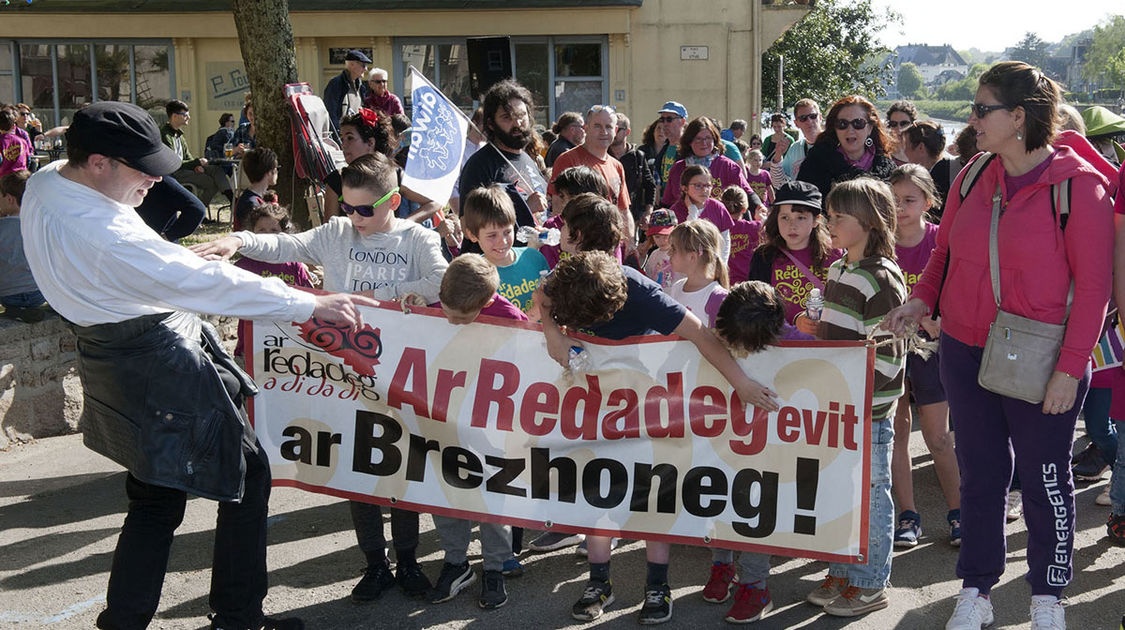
696 255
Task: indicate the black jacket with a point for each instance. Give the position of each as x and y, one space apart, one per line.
155 403
825 166
638 179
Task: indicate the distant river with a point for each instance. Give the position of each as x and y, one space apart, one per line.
951 128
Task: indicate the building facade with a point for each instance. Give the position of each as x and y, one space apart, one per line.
633 54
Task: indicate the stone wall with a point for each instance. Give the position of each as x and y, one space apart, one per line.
40 393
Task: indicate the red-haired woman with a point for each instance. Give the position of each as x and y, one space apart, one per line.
854 145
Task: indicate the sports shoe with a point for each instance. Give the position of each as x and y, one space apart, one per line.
1047 613
453 579
954 520
855 601
719 585
582 550
550 541
829 590
375 580
512 567
909 529
1115 529
1015 505
1089 465
412 580
971 612
595 599
658 605
1103 497
750 604
492 592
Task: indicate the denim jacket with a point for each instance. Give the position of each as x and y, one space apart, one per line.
155 403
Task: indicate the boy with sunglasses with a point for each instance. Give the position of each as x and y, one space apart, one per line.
370 252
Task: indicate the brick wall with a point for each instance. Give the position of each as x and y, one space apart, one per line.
40 393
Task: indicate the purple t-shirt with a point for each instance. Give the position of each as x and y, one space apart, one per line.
912 260
501 307
294 274
713 210
791 284
760 182
1013 184
744 237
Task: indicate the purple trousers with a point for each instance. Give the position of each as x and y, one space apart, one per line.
990 430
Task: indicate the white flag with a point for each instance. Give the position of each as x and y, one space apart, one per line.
437 141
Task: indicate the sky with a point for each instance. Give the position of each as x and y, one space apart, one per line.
992 25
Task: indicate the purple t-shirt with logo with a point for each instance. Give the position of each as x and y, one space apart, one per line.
912 260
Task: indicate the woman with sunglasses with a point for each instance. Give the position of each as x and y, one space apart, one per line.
900 117
364 133
1049 270
702 145
853 145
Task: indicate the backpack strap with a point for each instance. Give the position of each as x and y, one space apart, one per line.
1060 202
973 171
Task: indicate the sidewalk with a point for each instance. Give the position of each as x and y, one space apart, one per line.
61 507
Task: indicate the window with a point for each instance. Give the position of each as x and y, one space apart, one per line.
563 74
57 77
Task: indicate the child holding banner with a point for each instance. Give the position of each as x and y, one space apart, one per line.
592 292
489 219
751 317
376 255
861 289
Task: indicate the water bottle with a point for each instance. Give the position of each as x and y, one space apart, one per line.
814 305
529 233
579 359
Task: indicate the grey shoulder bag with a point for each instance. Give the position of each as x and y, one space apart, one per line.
1020 353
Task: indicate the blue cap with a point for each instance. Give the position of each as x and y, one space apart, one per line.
672 107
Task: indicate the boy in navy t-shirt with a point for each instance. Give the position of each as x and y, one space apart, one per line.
635 306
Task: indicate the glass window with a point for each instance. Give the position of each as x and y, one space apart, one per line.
420 56
74 79
154 79
454 74
37 82
114 83
577 96
5 57
533 73
7 89
578 60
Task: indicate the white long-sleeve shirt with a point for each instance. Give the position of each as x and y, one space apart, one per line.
407 259
97 262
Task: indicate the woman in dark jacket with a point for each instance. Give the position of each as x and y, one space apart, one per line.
857 146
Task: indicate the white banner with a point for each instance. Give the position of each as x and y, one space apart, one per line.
437 141
476 421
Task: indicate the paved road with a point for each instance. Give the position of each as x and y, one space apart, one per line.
61 507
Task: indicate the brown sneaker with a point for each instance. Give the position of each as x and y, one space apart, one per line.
856 601
828 591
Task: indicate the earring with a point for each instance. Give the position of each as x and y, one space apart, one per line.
1019 136
868 142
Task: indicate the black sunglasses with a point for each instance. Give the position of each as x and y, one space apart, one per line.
856 123
369 210
982 110
808 117
668 119
894 124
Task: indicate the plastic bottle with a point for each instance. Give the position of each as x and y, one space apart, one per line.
530 233
579 359
814 305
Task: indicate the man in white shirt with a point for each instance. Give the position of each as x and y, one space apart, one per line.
161 396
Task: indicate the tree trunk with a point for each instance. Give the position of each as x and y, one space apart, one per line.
265 37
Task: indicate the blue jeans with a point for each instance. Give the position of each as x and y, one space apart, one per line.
1101 431
876 572
31 299
1117 481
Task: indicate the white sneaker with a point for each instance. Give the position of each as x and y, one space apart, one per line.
1103 498
971 612
1047 613
1015 505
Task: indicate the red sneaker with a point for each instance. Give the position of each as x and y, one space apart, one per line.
717 590
750 604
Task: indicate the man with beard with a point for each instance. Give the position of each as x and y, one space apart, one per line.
507 127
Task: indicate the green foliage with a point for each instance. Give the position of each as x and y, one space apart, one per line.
1031 50
827 55
1105 59
910 81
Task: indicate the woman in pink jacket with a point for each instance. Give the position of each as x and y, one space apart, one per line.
1040 258
702 145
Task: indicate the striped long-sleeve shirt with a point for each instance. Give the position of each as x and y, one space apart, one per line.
856 298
